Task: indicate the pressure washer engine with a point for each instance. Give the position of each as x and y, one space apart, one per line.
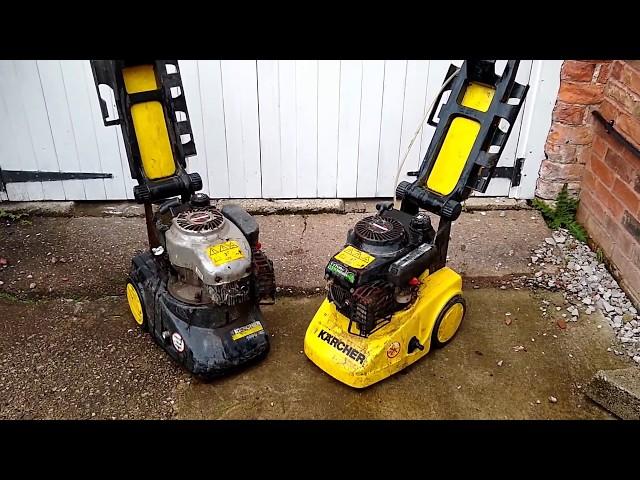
375 275
391 298
198 288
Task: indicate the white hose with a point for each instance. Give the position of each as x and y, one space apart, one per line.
427 111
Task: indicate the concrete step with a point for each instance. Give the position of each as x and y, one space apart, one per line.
255 206
618 391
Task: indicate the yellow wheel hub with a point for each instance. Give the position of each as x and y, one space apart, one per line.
450 322
134 303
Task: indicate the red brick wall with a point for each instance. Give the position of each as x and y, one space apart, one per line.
610 190
582 85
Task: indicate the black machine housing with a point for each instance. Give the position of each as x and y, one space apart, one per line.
210 344
403 242
209 348
207 329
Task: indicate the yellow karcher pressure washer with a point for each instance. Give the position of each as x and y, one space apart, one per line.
391 299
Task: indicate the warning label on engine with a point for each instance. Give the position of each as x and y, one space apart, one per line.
354 258
225 252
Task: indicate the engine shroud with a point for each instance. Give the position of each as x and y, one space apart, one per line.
215 257
370 278
201 240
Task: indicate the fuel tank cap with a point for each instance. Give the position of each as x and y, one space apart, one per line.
200 200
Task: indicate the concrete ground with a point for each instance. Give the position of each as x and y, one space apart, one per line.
79 256
69 348
461 381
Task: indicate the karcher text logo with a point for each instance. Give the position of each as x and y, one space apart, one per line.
341 346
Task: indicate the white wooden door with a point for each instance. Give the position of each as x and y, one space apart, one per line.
263 129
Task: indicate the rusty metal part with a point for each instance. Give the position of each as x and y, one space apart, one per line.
371 304
151 229
264 277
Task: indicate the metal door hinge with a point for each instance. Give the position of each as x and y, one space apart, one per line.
514 173
21 176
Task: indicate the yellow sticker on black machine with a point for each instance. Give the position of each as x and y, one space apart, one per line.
225 252
354 258
241 332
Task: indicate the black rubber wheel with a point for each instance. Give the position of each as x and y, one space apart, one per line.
451 307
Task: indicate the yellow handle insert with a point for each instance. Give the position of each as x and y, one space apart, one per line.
459 141
149 124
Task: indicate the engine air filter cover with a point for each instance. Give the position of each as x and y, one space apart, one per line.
379 230
200 219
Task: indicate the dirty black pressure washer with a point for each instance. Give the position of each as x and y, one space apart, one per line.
391 298
198 287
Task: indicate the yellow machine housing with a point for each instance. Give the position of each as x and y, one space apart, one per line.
391 299
360 362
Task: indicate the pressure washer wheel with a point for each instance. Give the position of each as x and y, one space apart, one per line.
448 321
136 306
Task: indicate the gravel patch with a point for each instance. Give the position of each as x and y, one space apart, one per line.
66 358
562 263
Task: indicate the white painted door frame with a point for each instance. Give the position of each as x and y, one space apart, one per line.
544 84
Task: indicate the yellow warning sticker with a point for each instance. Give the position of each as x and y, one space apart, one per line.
225 252
247 330
354 258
